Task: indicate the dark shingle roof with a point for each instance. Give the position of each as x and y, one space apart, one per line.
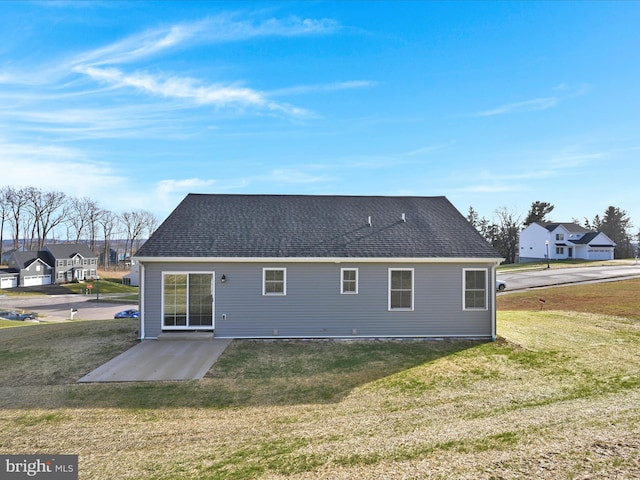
254 226
24 259
589 237
69 250
569 226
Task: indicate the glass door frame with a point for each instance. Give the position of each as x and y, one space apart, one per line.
187 296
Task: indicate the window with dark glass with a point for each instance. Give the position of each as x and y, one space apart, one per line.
475 289
274 281
401 289
349 280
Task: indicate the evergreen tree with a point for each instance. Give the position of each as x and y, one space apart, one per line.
616 224
538 212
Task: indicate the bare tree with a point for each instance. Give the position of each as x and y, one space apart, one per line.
17 204
48 210
108 220
135 224
151 223
508 226
4 214
78 213
93 217
84 215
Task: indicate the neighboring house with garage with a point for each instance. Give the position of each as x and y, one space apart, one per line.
562 241
56 263
31 269
301 266
8 279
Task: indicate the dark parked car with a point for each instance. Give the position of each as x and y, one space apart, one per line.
13 315
133 313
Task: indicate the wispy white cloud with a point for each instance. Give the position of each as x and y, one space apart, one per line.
43 165
562 161
323 87
526 106
140 46
537 104
189 185
105 65
293 176
489 188
190 89
218 29
521 177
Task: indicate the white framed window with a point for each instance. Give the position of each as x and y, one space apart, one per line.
560 236
401 289
349 281
274 281
559 250
474 285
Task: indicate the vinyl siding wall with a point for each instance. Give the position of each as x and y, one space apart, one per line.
313 306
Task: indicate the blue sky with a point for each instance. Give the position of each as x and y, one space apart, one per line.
492 104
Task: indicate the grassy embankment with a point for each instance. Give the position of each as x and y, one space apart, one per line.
558 396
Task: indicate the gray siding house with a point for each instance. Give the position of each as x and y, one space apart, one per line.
299 266
31 269
72 262
56 263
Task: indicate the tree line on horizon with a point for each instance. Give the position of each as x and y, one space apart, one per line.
502 232
34 217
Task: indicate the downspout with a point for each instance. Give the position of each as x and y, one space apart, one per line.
494 313
141 298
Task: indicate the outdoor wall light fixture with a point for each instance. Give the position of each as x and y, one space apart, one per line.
223 278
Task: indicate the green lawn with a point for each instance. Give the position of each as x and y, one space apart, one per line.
556 397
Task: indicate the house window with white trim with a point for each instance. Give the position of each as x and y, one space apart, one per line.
560 237
274 281
187 300
475 289
401 289
559 250
349 280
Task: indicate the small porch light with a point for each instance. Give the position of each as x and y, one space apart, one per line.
223 278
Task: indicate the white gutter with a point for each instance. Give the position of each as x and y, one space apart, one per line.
495 261
141 298
494 307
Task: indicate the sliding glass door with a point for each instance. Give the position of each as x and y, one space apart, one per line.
187 301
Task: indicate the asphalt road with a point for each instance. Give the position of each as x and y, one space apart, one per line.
58 307
522 279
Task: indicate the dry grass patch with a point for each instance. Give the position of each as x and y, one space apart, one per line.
608 298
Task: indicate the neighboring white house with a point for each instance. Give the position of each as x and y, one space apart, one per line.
562 241
133 277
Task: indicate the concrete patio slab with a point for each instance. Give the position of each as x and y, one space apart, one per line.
153 360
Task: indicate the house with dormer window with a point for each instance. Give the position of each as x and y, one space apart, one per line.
562 241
